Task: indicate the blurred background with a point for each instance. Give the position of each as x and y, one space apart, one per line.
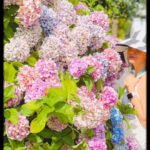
125 15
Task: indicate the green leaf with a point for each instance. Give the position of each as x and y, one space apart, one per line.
9 92
88 132
16 145
26 112
100 85
99 8
108 135
88 82
38 123
17 64
46 133
9 72
65 113
69 88
90 70
7 146
106 45
35 138
121 92
11 115
33 105
31 60
55 95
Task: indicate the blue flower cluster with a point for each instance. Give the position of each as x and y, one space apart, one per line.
48 20
116 117
117 135
117 131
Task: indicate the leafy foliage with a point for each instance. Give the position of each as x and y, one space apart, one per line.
10 23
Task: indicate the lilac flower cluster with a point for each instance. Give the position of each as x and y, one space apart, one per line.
66 12
36 80
17 50
81 36
20 130
116 116
29 12
97 144
109 97
48 19
32 35
88 61
100 131
77 68
93 110
117 135
54 124
100 18
97 36
132 143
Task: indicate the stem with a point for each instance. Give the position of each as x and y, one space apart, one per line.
74 129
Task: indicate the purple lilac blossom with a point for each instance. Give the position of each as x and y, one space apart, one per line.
20 130
109 97
77 68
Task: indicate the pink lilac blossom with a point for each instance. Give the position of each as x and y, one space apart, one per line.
77 68
92 113
48 72
81 36
20 130
17 50
26 77
36 91
101 19
114 60
98 66
32 35
54 124
66 12
108 97
132 143
97 144
29 13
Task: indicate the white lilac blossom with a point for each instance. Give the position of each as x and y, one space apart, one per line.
17 50
32 35
81 36
50 48
66 12
96 37
20 130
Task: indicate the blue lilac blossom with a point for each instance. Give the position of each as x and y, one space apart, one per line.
48 20
116 116
117 135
